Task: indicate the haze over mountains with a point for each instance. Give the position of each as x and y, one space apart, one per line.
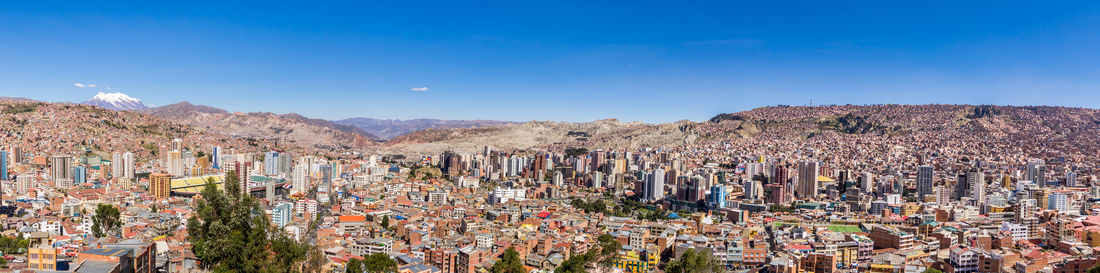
390 128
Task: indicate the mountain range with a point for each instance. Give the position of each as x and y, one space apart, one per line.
1005 127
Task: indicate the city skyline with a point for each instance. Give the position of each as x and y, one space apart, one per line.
558 61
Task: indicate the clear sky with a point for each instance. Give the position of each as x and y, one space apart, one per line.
552 60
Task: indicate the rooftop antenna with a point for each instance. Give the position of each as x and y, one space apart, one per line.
811 102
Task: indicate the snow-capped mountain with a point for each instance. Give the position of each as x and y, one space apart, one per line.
115 101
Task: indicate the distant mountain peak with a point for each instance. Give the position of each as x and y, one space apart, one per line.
116 101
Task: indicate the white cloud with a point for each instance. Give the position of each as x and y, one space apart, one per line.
81 85
420 89
91 85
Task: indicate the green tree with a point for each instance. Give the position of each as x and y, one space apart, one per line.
509 263
354 266
933 270
374 263
609 249
230 233
575 263
692 262
605 256
386 222
106 222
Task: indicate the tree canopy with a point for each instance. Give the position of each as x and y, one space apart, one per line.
374 263
692 262
229 232
509 263
604 256
106 221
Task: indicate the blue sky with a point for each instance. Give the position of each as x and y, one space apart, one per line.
553 60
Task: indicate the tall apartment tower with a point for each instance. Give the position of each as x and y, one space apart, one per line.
976 179
924 182
160 185
807 179
116 164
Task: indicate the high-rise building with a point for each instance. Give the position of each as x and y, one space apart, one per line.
216 154
750 190
558 179
924 182
271 163
163 155
175 163
80 175
1071 179
654 185
962 186
717 196
1037 172
240 168
1058 201
867 182
61 167
300 178
160 185
128 165
17 154
3 165
116 164
808 172
976 179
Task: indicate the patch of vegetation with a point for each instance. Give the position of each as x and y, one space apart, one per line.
781 208
377 262
576 151
152 148
578 134
596 206
113 124
19 108
852 124
106 221
983 111
725 117
844 228
605 255
428 172
692 262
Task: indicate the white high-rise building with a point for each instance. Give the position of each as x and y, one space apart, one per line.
128 165
976 179
175 163
216 154
867 182
1058 201
116 164
300 179
558 178
654 185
